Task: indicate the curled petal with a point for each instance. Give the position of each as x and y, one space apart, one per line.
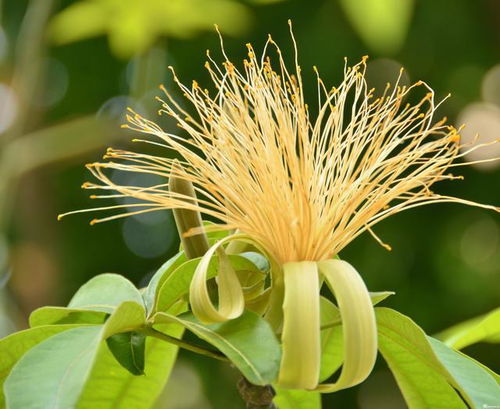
231 300
358 323
300 362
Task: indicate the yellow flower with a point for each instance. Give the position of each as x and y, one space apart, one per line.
299 187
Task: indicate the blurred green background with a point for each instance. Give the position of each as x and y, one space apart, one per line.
69 69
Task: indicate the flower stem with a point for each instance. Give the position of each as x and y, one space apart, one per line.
256 396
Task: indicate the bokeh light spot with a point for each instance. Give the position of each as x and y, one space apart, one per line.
381 71
490 88
8 107
4 45
115 108
58 79
484 120
480 244
147 241
142 180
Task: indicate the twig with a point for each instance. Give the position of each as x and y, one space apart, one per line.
182 344
255 396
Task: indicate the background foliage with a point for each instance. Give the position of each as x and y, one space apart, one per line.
68 69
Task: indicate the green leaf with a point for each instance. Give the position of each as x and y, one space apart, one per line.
104 293
178 281
476 385
128 349
379 296
82 20
176 284
427 371
141 24
265 2
297 399
248 341
411 359
481 329
257 259
127 317
110 386
382 24
52 374
14 346
332 342
62 315
159 277
494 375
